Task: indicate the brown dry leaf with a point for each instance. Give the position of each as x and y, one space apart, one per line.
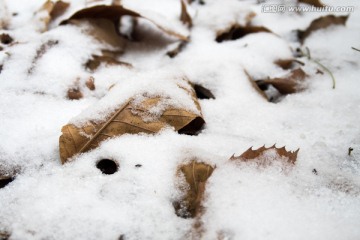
90 83
290 83
96 61
184 16
287 64
103 30
196 174
256 86
260 156
315 3
127 119
237 31
53 10
321 23
113 13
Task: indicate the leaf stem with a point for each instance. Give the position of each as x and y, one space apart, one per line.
308 55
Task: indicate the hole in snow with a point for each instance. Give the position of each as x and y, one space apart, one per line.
5 38
107 166
5 181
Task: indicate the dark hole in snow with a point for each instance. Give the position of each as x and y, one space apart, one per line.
138 165
203 93
5 38
193 127
5 181
107 166
262 85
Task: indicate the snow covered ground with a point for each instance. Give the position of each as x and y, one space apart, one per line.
319 198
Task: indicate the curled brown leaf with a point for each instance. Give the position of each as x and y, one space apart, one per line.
321 23
114 12
127 119
291 83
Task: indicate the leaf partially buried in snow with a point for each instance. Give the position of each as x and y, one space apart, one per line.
321 23
49 11
291 83
288 63
237 31
185 16
266 156
196 174
107 58
113 13
130 118
315 3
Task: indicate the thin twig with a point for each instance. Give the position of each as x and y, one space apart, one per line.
355 49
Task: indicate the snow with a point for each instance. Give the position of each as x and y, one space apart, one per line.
48 200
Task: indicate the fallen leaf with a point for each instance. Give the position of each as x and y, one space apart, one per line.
256 86
96 61
184 16
49 11
315 3
59 9
321 23
237 31
196 174
90 83
290 83
102 30
264 156
287 64
129 118
113 13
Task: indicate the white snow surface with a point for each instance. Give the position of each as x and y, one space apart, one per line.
48 200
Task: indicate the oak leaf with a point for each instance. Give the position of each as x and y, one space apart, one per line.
128 119
263 156
196 174
321 23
